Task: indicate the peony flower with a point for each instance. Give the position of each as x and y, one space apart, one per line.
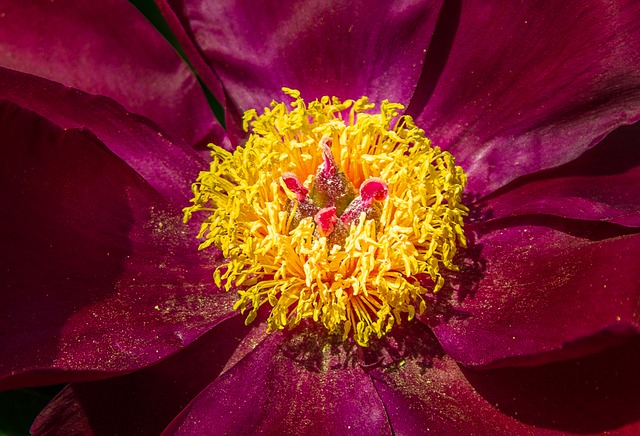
509 309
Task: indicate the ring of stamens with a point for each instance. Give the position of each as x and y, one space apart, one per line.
334 213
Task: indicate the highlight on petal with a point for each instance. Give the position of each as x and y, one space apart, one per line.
146 401
429 394
319 47
98 276
107 48
512 100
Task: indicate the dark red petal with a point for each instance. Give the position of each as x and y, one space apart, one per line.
107 48
546 289
321 48
424 391
287 387
168 164
603 184
99 274
523 87
146 401
596 394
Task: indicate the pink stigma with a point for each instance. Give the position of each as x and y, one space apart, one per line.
295 185
326 219
373 189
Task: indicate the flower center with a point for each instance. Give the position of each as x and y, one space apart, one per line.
333 213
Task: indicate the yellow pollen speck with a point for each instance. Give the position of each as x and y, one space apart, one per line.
353 257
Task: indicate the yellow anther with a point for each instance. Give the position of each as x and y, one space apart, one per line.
362 284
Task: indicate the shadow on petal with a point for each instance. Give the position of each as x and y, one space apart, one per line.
61 251
437 55
589 230
145 401
602 184
459 285
593 394
311 347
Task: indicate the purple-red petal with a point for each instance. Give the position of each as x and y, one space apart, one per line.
100 276
318 47
603 184
523 87
546 289
146 401
437 399
167 163
107 48
595 394
283 387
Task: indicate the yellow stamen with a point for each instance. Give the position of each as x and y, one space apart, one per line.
363 284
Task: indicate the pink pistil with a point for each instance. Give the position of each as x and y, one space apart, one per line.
373 189
295 185
329 163
370 190
326 219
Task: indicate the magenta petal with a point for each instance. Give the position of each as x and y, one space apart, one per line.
146 401
530 86
107 48
321 48
276 390
545 295
438 400
188 45
603 184
99 274
168 164
591 395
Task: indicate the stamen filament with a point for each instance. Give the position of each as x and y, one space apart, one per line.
331 217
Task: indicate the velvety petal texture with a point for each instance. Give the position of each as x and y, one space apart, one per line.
603 184
99 276
167 163
590 395
549 289
428 394
107 48
287 386
515 87
187 43
346 49
103 285
134 398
